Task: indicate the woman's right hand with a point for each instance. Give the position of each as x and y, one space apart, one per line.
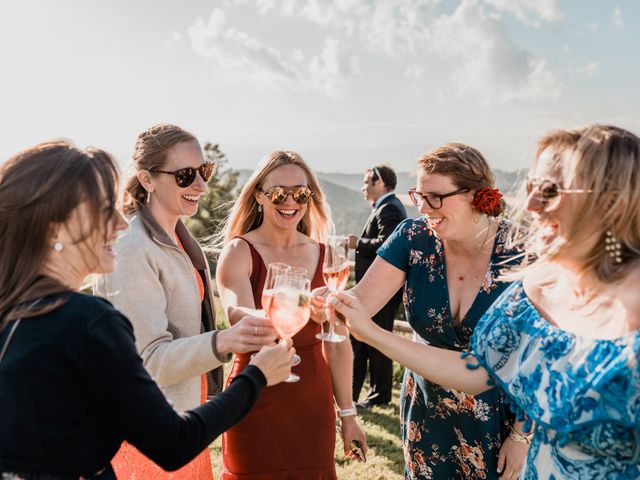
358 321
275 362
249 334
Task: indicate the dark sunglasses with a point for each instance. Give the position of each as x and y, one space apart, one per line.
186 176
434 200
278 194
549 192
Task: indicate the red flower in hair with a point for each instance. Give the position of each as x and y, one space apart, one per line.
487 201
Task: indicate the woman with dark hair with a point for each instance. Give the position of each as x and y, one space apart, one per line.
162 283
72 386
563 340
448 261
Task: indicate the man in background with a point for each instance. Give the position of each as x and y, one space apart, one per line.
377 186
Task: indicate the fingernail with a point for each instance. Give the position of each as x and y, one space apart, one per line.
333 301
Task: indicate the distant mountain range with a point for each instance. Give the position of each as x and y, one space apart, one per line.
349 209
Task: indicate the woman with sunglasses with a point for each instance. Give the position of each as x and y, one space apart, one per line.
448 261
72 385
162 284
280 217
563 341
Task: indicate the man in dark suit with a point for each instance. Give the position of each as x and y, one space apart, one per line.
378 186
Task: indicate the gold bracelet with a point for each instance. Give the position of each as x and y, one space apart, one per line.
516 436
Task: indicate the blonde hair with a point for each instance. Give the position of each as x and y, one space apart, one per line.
150 153
606 160
464 165
244 216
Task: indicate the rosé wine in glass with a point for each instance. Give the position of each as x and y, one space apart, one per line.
335 271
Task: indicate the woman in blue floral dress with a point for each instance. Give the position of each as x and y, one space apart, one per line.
448 261
563 341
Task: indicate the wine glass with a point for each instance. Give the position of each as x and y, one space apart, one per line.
290 307
335 270
273 270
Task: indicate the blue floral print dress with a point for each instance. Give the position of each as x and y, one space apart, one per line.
583 394
447 434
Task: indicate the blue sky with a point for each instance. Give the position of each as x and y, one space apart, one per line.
346 83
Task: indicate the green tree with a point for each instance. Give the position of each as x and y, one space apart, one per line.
217 201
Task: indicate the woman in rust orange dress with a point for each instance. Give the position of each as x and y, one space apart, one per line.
162 284
280 217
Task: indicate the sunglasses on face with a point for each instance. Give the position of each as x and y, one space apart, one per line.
434 200
278 194
186 176
549 193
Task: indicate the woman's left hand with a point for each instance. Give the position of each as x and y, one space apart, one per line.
352 431
511 459
319 305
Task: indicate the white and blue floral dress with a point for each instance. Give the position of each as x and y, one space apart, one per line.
583 394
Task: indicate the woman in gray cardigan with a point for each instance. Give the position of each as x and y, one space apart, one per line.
162 284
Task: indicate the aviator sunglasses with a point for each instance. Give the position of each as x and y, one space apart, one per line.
434 200
549 193
279 194
186 176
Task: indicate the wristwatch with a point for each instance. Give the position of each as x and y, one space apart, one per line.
348 412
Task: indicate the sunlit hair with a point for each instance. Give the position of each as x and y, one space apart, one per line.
40 188
605 159
463 164
244 216
150 153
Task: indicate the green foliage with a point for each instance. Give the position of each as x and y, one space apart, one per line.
216 203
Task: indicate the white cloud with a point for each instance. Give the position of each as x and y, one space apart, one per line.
616 18
529 11
414 71
489 65
238 55
586 71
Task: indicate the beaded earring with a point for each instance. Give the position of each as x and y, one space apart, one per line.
613 247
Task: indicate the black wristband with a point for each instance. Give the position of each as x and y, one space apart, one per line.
223 358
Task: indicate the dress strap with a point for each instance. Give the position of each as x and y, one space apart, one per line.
258 272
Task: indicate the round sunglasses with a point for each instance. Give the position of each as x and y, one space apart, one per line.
279 194
186 176
549 192
434 200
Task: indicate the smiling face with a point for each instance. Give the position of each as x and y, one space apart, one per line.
166 196
554 225
288 214
452 219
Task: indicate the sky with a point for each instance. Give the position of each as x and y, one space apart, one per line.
348 84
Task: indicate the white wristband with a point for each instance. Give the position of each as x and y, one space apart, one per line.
348 412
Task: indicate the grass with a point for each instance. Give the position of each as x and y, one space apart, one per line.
385 460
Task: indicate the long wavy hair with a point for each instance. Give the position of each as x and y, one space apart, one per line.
606 160
244 216
40 188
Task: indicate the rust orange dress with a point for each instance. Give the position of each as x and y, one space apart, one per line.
290 433
130 464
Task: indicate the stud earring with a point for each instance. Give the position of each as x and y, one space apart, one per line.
58 246
613 247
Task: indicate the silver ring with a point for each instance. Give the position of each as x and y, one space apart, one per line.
255 330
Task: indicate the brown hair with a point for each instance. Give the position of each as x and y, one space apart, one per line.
244 215
386 174
464 165
150 153
606 160
40 187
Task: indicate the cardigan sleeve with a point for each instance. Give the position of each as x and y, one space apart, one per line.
135 288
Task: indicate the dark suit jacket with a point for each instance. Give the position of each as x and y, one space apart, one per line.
381 223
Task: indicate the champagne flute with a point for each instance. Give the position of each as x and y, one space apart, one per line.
290 307
335 270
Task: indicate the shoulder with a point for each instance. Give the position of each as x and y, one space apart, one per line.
135 236
629 295
236 256
89 309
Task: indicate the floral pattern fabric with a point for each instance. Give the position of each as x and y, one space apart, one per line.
447 434
582 394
